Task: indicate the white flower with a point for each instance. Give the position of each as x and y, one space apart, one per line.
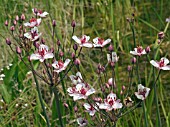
98 42
82 122
162 64
39 13
91 109
142 92
168 19
60 65
80 91
33 22
33 35
112 58
111 103
138 51
42 54
83 42
76 79
2 75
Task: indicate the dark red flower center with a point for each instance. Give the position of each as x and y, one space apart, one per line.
139 49
60 64
40 11
83 91
91 108
33 34
42 52
83 40
33 20
161 63
100 41
142 92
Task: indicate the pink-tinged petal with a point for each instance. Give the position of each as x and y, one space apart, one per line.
67 61
60 70
27 24
133 53
91 113
117 105
103 106
28 35
36 37
48 55
41 59
87 106
87 38
154 63
108 57
78 74
90 91
106 42
139 96
166 61
78 97
140 87
44 14
69 90
32 24
54 64
35 56
111 95
82 122
166 67
95 40
33 11
88 45
143 52
38 21
114 57
76 39
97 45
147 91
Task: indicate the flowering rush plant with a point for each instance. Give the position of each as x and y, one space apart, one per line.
102 97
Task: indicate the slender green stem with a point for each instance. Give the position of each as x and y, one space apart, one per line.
145 115
156 100
40 98
133 32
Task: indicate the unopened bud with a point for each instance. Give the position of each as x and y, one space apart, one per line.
58 43
112 64
110 48
8 41
73 55
161 35
110 81
42 41
159 41
52 50
77 62
22 17
107 85
75 108
12 28
65 105
54 23
147 49
121 92
15 22
75 47
6 23
73 24
61 54
133 60
129 68
123 87
35 10
17 18
36 44
18 50
29 58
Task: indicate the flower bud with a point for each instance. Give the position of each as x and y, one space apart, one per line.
18 50
65 105
110 81
12 28
112 64
17 18
121 92
75 47
58 43
77 62
159 41
73 24
147 49
107 85
42 41
6 23
36 44
61 54
52 50
161 35
129 68
123 87
133 60
75 108
15 22
73 55
22 17
8 41
110 48
35 10
29 59
54 23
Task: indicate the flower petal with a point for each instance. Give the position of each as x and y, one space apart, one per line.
35 56
154 63
90 91
166 67
106 42
76 39
88 45
166 61
48 55
117 105
133 53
